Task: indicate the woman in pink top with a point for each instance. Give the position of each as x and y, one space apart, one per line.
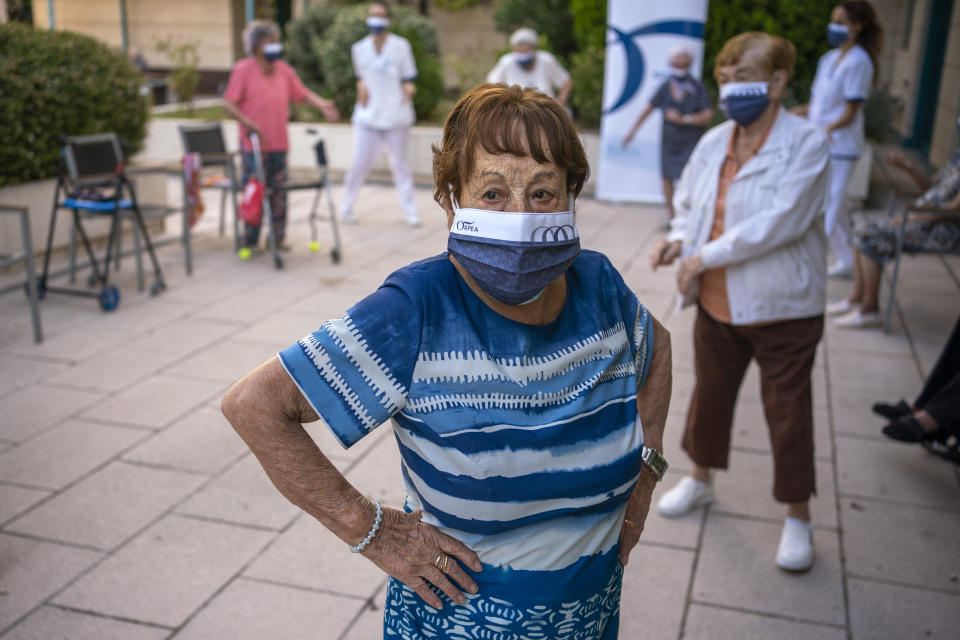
258 95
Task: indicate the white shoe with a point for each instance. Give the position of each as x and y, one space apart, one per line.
412 219
842 307
347 217
857 319
795 552
686 496
840 271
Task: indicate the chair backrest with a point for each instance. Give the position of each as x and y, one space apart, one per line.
205 139
92 158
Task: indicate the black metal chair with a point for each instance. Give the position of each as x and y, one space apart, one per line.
92 182
26 257
208 141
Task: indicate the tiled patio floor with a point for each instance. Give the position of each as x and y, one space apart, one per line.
129 509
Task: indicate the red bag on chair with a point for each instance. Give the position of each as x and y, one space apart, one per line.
251 203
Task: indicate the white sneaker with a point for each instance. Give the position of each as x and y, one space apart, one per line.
347 217
795 552
841 307
840 271
857 319
686 496
412 219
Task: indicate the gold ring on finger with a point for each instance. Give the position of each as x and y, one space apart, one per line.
441 562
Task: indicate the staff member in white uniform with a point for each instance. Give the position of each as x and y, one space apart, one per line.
385 69
527 66
840 87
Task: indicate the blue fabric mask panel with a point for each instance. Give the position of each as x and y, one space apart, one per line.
377 24
837 34
513 256
744 102
273 51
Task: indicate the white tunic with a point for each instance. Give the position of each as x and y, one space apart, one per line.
383 73
840 80
546 75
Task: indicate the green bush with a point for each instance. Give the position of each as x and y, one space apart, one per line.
551 19
586 71
55 83
319 49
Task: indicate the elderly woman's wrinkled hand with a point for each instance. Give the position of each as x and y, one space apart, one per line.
689 269
664 254
414 553
636 515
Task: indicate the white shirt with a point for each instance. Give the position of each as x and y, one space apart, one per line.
774 246
546 75
837 82
384 73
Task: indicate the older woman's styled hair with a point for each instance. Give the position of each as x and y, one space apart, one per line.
256 32
777 52
506 120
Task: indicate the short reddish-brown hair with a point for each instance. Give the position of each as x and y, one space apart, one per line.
778 53
512 120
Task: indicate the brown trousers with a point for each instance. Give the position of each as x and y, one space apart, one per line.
785 352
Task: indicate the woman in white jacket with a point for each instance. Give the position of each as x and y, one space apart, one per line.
750 226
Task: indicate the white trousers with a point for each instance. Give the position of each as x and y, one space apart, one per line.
366 147
838 219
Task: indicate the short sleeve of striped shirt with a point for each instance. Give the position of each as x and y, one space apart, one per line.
641 329
355 371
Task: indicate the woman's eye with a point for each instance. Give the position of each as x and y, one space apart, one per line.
490 195
540 194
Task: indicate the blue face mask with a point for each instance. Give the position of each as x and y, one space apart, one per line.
525 60
744 102
377 24
273 51
513 256
837 34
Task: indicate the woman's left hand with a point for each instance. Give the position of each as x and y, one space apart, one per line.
636 516
689 269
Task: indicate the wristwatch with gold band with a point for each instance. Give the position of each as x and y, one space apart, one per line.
653 460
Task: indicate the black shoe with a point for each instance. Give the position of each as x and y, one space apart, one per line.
907 429
892 411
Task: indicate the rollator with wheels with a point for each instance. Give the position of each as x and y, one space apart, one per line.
319 183
91 182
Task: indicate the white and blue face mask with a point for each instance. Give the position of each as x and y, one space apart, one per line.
837 34
273 51
744 102
525 59
377 24
513 256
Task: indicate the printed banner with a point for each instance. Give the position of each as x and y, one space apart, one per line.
640 35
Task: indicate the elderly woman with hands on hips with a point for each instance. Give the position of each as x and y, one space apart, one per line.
528 389
749 224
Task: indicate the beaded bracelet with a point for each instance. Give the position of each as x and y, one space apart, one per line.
357 548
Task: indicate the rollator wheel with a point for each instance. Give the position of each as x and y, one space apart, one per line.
41 288
314 246
335 255
278 262
109 298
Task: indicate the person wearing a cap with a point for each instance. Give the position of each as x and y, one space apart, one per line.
687 110
528 66
385 69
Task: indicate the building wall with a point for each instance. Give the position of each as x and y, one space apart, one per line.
945 136
148 21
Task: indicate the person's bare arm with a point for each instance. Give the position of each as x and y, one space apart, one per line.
653 402
849 113
701 118
327 107
563 96
268 411
409 90
801 110
362 94
636 125
231 107
899 159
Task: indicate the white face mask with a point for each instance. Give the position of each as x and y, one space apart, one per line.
678 72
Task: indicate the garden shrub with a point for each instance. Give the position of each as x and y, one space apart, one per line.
55 83
320 44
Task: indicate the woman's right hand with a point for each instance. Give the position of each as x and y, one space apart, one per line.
664 253
408 550
898 159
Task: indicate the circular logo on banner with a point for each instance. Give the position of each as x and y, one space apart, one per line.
633 57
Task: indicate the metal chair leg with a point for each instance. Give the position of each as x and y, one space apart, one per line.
137 249
32 294
72 251
893 277
223 210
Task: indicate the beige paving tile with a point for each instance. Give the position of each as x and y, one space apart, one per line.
308 555
893 470
181 337
370 623
254 610
167 572
154 402
107 507
79 341
737 569
852 412
203 442
655 584
33 571
888 611
53 623
228 360
750 429
18 372
712 623
747 489
29 410
683 531
244 495
78 447
850 344
881 374
901 544
280 329
112 369
16 500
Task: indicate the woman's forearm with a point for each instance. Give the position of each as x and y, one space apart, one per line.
653 399
234 110
701 118
849 113
267 411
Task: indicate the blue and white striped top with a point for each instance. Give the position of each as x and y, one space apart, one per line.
521 441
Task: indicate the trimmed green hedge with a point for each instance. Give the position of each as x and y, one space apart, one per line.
55 83
319 49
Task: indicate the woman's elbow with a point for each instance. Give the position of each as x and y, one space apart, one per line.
232 402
